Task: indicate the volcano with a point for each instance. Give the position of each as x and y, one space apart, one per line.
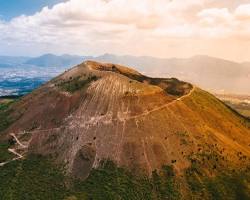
100 111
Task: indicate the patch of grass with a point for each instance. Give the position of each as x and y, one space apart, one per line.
5 155
74 84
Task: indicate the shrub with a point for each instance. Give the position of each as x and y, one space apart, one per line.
74 84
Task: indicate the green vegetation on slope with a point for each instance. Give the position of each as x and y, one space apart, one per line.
110 182
74 84
5 119
5 155
209 177
232 184
36 178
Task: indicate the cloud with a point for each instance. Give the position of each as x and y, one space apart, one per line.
83 17
221 23
243 12
215 15
122 26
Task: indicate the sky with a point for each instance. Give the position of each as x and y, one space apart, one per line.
160 28
14 8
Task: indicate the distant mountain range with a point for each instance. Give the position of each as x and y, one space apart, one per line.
11 60
214 74
48 60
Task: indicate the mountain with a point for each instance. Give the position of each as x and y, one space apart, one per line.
213 74
123 135
50 60
7 61
46 60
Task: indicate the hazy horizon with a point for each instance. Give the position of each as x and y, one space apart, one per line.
123 55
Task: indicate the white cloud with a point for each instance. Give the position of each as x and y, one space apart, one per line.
243 12
221 23
121 26
215 15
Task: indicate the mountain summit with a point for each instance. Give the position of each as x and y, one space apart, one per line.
98 111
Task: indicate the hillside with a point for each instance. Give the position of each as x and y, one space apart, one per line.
166 135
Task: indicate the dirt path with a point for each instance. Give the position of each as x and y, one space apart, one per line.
163 106
18 142
13 151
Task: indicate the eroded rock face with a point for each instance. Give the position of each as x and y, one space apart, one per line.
138 122
83 162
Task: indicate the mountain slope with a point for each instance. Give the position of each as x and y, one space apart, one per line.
96 112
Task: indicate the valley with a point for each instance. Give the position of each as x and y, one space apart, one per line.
240 103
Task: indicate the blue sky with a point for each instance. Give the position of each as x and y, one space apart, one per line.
14 8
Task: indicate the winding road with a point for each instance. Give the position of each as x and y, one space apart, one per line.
163 106
13 151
